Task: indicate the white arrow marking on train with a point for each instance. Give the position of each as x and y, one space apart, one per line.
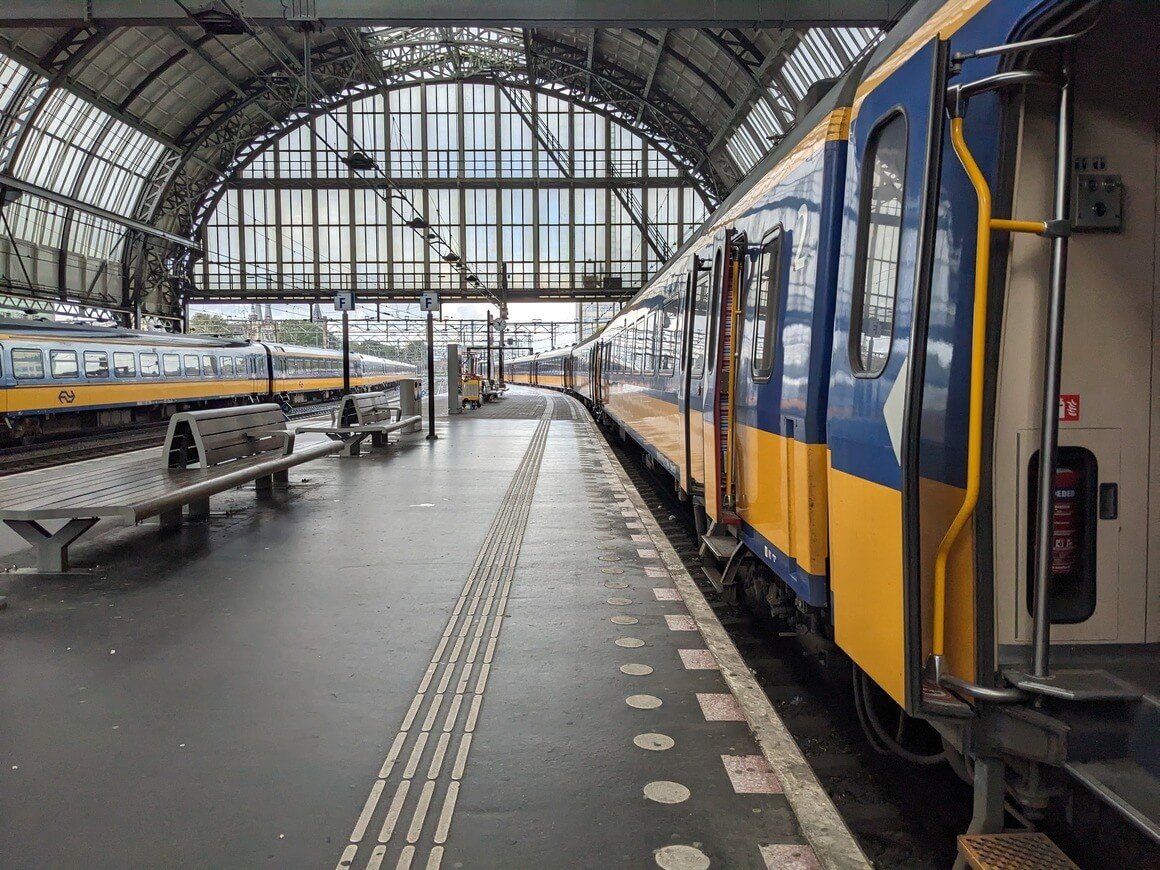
892 410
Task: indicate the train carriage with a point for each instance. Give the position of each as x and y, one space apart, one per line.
854 367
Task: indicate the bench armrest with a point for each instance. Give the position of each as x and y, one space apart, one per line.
287 438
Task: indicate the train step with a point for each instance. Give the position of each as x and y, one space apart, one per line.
721 547
1013 851
1127 787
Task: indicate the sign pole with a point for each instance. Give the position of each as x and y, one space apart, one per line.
431 375
345 351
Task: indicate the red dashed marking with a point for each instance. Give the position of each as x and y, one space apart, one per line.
698 660
787 856
721 707
667 594
680 622
751 774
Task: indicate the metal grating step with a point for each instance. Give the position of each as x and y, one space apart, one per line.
1015 851
721 546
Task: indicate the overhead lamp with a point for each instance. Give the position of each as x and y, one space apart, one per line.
218 19
417 223
451 257
471 279
359 161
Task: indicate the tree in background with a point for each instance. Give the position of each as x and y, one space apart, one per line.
211 324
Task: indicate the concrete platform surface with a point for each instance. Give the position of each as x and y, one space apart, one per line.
470 652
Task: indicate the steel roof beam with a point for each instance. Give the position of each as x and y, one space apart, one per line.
104 214
470 13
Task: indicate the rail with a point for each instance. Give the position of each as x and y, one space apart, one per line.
986 223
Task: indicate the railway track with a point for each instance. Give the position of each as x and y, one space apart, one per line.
62 451
903 815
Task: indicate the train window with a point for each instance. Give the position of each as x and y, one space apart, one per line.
63 364
192 367
171 365
27 363
765 306
879 247
650 338
124 364
96 364
240 365
150 365
700 322
209 365
227 366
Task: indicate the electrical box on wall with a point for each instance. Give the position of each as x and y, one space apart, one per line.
1098 197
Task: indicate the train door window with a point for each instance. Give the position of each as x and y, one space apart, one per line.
879 247
700 322
192 367
670 331
63 364
27 364
150 365
209 365
227 366
240 365
124 364
765 306
171 365
96 364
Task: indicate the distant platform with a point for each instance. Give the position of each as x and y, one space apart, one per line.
472 652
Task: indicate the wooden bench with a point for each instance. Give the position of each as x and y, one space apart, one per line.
205 453
363 415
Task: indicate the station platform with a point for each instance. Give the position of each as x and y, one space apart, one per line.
475 652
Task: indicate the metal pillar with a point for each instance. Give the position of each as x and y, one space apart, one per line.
431 376
489 344
1052 366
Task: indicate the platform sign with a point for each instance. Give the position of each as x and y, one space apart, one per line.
344 300
429 301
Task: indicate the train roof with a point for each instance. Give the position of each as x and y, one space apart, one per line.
44 328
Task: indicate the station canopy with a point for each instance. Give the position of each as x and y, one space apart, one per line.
120 142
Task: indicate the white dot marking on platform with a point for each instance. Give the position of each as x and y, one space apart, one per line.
664 791
681 858
615 584
625 620
633 669
654 742
643 702
619 602
629 642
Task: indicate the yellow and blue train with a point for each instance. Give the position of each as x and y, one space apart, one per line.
945 272
64 378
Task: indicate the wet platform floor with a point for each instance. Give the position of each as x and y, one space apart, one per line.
466 652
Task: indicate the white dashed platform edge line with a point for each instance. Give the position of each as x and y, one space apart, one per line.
831 839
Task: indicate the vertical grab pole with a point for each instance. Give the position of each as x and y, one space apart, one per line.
1052 366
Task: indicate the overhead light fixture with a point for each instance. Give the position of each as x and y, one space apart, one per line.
417 223
451 257
218 19
360 162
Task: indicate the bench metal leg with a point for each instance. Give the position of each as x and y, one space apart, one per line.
172 519
352 446
264 485
380 439
199 510
281 478
51 547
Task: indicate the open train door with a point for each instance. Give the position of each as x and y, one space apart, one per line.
717 380
880 327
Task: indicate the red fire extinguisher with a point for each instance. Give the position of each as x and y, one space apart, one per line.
1065 522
